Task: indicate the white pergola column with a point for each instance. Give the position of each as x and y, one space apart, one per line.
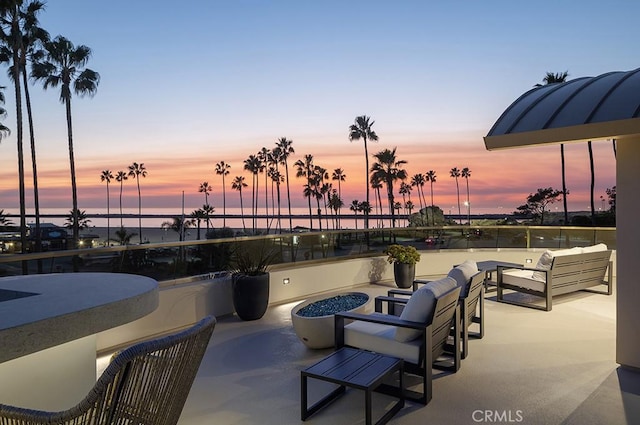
628 252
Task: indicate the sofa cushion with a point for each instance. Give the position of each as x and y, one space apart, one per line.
595 248
462 274
421 305
546 261
523 279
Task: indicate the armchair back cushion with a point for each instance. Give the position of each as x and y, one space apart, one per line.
421 305
462 274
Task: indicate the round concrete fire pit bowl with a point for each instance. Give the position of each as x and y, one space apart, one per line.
313 319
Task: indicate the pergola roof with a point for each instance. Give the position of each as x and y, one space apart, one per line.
588 108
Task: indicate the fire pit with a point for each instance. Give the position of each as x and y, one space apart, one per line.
313 319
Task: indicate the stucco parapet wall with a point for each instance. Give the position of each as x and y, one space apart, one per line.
69 306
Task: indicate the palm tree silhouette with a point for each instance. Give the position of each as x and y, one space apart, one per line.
418 181
466 173
305 169
285 150
24 37
376 184
205 188
389 169
107 176
552 78
17 37
136 171
361 129
121 177
62 65
355 207
339 176
431 178
208 211
455 173
222 169
252 164
237 184
263 157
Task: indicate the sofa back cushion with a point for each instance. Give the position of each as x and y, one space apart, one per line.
421 305
546 260
462 274
595 248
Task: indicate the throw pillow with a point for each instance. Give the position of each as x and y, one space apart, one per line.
544 263
421 305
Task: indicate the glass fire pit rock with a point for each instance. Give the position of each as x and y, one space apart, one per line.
313 319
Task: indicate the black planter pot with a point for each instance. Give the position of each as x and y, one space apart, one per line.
404 274
250 295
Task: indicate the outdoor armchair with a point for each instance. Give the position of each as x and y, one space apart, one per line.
420 336
145 384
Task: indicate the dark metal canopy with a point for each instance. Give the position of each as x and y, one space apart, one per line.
588 108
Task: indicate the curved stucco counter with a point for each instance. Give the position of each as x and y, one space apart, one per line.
47 318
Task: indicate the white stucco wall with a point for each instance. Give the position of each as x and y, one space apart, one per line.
628 237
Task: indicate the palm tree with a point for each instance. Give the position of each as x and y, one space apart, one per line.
123 237
336 203
285 149
136 171
197 216
61 64
208 212
252 164
222 169
77 219
179 225
431 178
455 173
205 188
376 184
339 176
263 157
237 184
418 181
23 36
107 176
466 173
552 78
277 178
355 207
361 129
12 41
305 169
121 177
389 169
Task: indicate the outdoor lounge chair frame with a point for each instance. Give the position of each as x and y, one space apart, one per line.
145 384
435 340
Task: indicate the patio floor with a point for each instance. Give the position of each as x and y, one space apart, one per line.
532 367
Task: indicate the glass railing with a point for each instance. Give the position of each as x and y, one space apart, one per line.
175 260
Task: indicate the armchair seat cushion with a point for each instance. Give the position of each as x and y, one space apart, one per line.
523 279
381 339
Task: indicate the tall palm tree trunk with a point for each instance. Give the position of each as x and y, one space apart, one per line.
21 185
366 181
564 187
121 226
244 227
108 216
458 192
286 169
36 197
74 188
139 208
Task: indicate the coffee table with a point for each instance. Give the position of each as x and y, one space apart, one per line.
491 266
350 367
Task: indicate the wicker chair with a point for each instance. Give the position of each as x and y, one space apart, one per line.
145 384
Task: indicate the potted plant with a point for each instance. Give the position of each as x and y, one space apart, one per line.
250 261
404 259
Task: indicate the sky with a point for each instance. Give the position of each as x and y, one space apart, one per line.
182 88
